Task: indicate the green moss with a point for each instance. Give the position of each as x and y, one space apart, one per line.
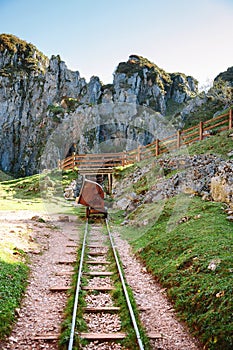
155 74
57 112
71 103
28 57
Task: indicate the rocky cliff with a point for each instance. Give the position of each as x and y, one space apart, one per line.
38 94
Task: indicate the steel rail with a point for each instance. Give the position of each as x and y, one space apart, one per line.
72 331
140 344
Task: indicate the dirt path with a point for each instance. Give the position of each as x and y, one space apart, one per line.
42 310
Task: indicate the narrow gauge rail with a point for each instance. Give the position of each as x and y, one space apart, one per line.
90 242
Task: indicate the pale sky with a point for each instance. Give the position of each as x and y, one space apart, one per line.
93 36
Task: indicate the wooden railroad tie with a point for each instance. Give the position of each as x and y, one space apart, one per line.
99 273
102 336
154 335
46 337
59 288
98 262
66 262
64 273
96 253
71 253
101 309
98 288
96 246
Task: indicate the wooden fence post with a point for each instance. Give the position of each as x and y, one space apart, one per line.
230 119
109 183
201 131
178 138
123 159
139 153
157 147
74 154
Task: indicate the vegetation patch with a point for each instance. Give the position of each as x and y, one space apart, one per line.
192 258
31 193
220 144
13 281
28 58
136 64
13 276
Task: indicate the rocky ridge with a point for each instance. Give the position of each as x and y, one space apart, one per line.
37 94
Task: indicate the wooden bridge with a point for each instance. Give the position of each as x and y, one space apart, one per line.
104 163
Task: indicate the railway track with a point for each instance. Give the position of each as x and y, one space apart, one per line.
99 273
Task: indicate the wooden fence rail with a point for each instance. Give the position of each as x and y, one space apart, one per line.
172 142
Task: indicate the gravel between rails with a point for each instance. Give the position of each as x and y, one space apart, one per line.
99 300
102 322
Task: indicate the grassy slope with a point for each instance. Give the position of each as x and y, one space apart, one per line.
179 255
179 258
18 194
13 281
220 144
32 192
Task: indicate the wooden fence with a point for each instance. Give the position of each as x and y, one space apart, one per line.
107 161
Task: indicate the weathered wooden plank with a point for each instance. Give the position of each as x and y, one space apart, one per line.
64 273
46 337
96 253
102 336
59 288
154 335
101 309
98 262
99 273
98 288
66 262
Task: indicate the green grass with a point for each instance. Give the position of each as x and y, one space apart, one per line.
13 281
37 192
220 144
179 257
4 176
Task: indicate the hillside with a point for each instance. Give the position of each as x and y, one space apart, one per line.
176 212
165 208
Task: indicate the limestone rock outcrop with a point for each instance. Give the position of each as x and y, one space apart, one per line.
30 87
37 94
139 80
207 176
222 184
